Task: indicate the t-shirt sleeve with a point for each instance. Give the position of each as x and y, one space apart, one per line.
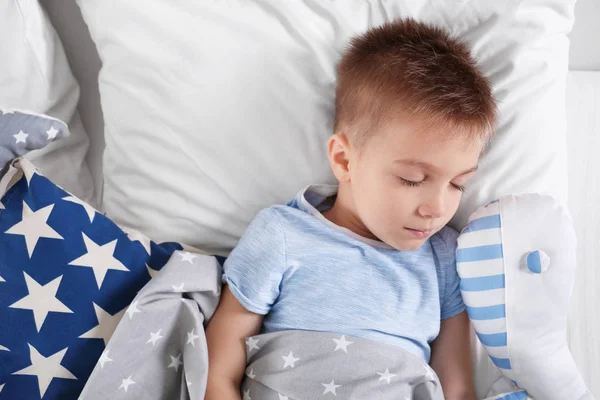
452 302
254 269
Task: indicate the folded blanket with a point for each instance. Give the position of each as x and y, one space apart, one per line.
158 351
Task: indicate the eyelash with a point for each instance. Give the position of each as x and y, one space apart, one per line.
415 184
411 183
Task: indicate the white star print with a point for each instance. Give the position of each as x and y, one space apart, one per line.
104 359
429 374
90 211
175 362
2 206
132 309
125 383
247 395
330 387
178 289
21 137
151 272
1 387
41 300
251 374
106 325
99 258
192 338
34 226
135 236
185 256
282 397
386 376
252 344
2 348
290 360
407 397
46 368
342 344
154 337
2 279
52 132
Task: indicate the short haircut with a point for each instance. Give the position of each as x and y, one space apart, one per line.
406 67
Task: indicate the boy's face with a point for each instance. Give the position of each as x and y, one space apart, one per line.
405 183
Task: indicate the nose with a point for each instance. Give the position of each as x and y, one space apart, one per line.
433 206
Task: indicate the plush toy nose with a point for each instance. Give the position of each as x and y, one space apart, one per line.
537 261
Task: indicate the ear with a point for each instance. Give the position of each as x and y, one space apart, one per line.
339 156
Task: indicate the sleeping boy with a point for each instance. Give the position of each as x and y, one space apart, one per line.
412 116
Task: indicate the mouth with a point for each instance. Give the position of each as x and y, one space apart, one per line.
419 233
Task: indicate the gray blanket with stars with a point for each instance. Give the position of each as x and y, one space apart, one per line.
317 365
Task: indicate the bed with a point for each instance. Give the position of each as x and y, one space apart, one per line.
580 167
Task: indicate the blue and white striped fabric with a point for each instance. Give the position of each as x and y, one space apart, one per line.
520 395
480 264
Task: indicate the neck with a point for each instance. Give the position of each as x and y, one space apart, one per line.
343 213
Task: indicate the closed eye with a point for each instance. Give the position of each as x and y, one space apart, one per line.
459 187
411 183
418 183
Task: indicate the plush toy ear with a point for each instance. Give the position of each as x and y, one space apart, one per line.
516 260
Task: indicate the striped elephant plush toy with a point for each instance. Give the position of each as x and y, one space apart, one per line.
516 261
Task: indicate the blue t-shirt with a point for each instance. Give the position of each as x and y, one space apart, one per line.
303 272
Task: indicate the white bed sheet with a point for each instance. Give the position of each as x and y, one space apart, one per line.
583 113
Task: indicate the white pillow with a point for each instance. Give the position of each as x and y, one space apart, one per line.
214 110
35 75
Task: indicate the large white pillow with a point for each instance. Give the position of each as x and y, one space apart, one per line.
35 75
214 110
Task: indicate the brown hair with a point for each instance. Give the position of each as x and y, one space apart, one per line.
412 68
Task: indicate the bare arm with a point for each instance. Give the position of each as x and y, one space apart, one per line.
451 358
225 335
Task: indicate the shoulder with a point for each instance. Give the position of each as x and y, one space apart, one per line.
445 240
268 214
265 217
278 214
279 219
267 222
444 245
264 237
287 217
